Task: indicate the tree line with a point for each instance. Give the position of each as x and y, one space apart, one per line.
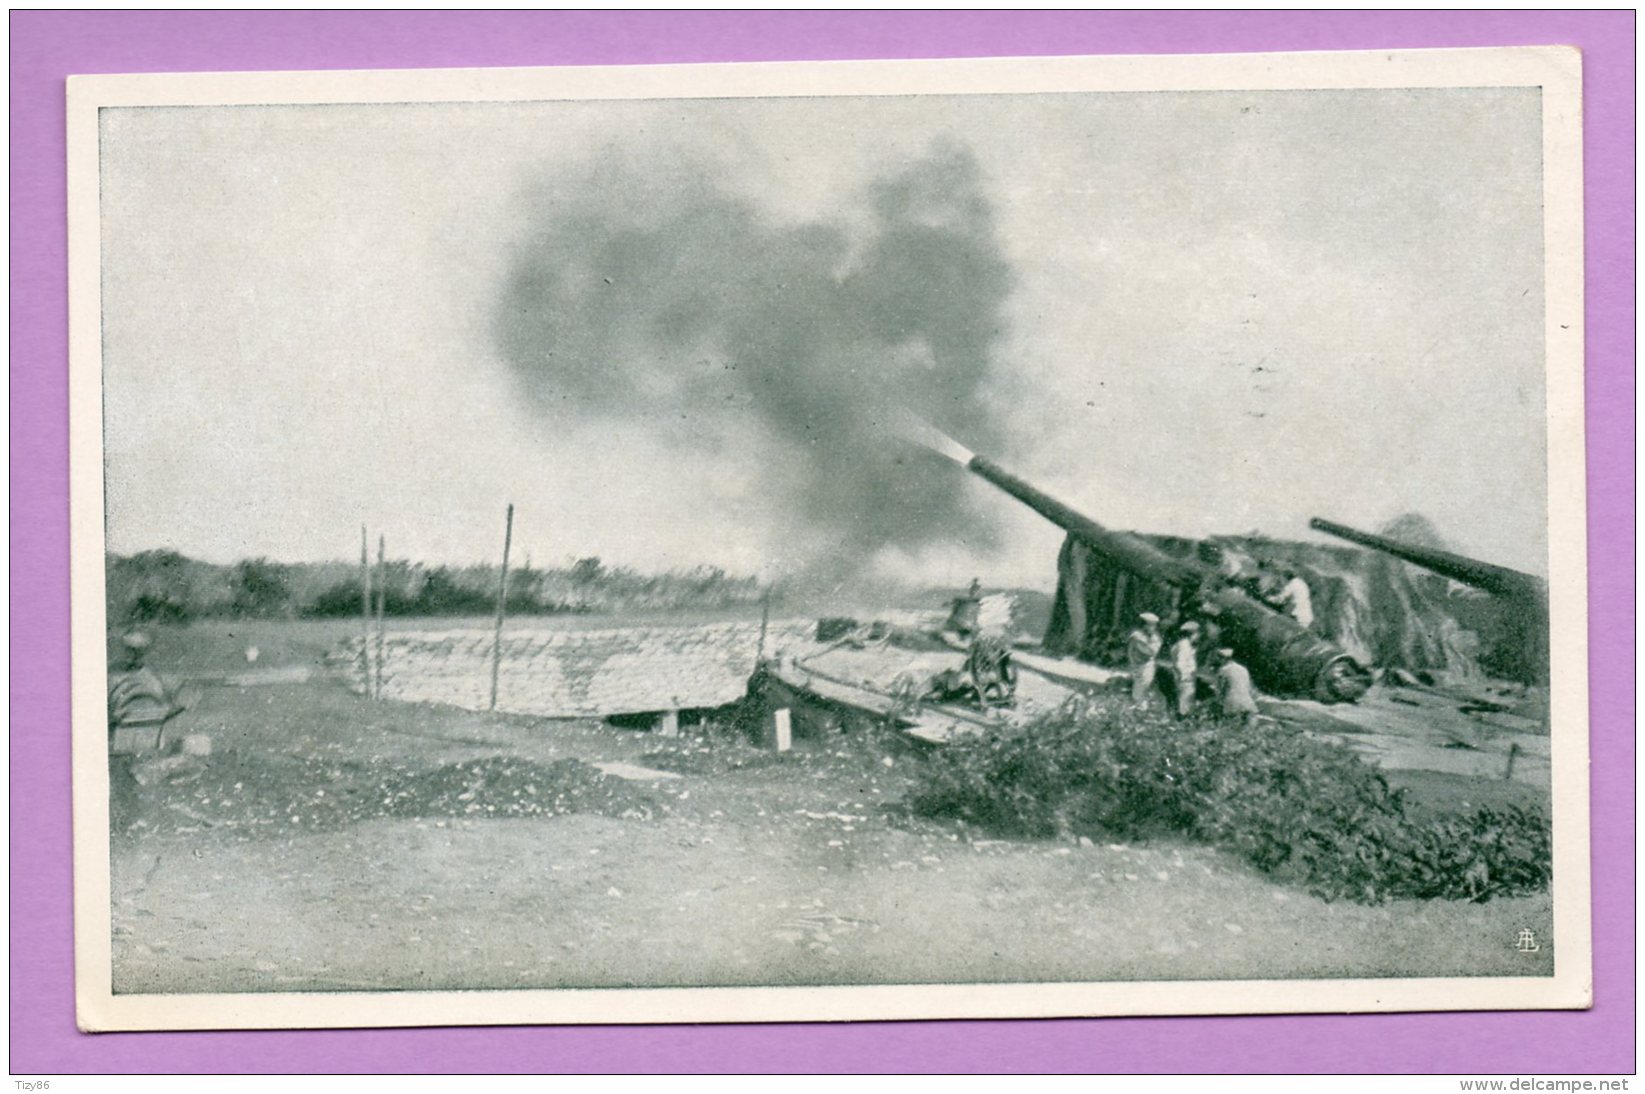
166 587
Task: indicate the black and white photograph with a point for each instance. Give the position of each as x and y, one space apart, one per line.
829 541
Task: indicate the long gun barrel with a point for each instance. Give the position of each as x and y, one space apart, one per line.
1284 656
1127 550
1481 575
1524 647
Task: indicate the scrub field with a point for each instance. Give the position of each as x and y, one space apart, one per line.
334 843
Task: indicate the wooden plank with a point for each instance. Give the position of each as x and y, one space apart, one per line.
1065 670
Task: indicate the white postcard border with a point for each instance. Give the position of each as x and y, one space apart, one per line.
1557 70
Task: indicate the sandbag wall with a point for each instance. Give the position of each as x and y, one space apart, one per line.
570 673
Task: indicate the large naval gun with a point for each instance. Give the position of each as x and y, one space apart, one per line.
1491 578
1284 657
1524 596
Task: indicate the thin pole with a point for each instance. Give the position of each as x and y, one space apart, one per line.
382 598
765 620
365 614
502 604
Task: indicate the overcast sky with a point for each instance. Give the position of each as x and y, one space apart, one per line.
1228 312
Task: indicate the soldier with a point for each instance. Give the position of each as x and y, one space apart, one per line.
1235 696
1295 599
1141 651
965 613
138 698
1185 666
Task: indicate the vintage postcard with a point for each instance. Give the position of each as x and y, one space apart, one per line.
789 542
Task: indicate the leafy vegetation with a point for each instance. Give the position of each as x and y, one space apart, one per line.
262 590
166 587
1301 809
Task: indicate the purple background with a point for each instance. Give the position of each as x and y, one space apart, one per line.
47 46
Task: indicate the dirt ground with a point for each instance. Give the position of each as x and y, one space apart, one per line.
329 843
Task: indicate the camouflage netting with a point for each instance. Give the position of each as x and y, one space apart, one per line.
1380 610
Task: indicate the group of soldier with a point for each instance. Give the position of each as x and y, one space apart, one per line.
1191 642
1145 650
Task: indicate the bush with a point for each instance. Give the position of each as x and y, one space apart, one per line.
442 593
261 590
445 593
162 587
1301 809
336 601
158 608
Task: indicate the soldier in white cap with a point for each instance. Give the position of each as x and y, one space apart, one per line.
1185 666
1141 653
1235 697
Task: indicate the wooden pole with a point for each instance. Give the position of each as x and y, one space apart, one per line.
365 615
502 605
765 621
382 606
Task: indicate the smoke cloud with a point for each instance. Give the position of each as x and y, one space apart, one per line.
654 293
